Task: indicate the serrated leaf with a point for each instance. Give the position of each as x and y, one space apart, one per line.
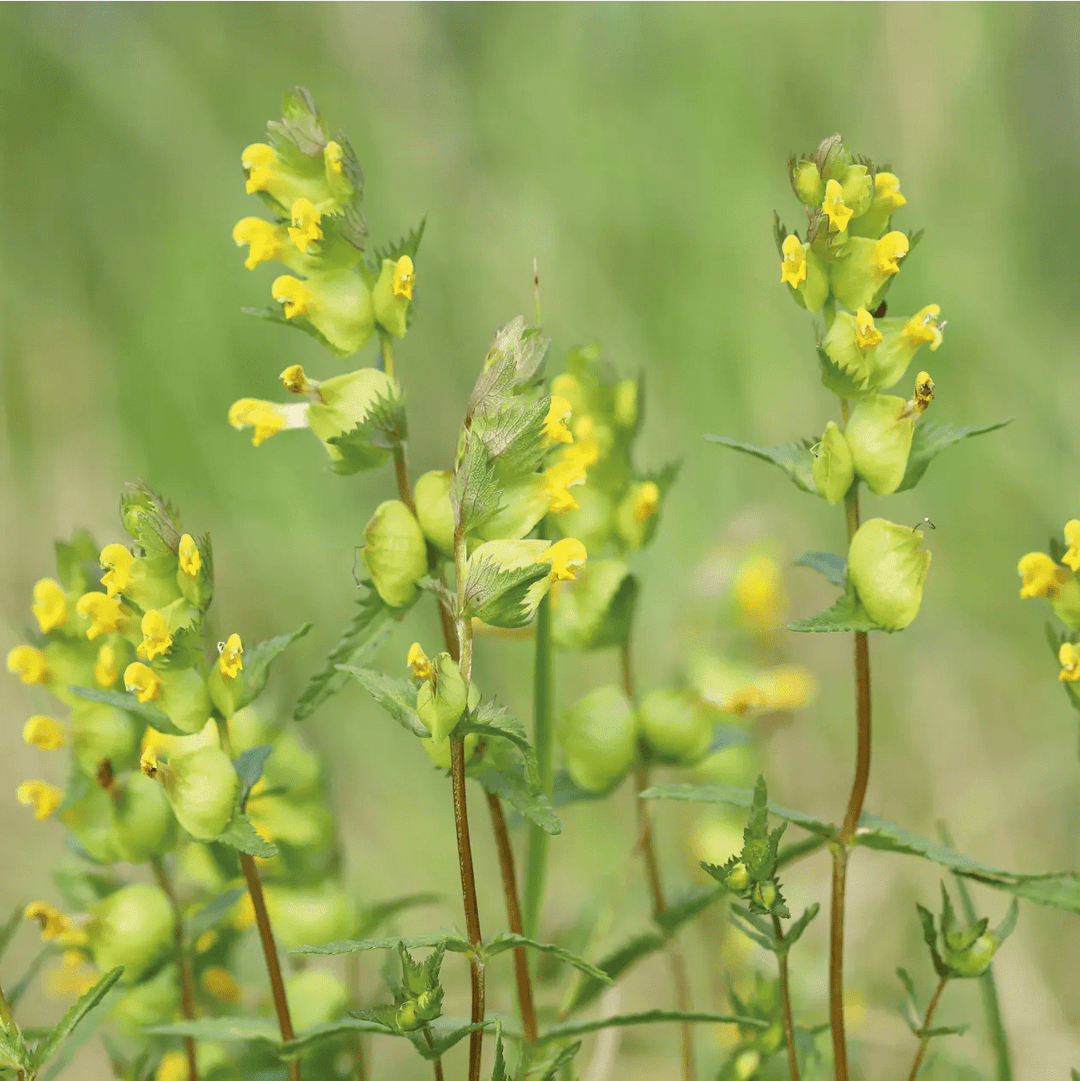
68 1023
507 780
499 596
929 440
13 1049
453 943
277 316
794 459
495 722
910 1007
498 1071
926 919
243 836
833 567
385 426
565 1029
474 491
512 361
551 1068
310 1037
740 917
508 941
847 614
22 985
396 695
793 933
377 914
249 768
441 1044
251 679
227 1029
613 964
300 124
210 914
147 711
514 437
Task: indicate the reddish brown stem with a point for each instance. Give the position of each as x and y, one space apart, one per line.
785 999
183 963
926 1024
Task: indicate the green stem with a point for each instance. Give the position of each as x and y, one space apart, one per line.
436 1063
183 962
925 1041
785 998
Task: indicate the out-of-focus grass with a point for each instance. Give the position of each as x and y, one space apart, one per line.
637 152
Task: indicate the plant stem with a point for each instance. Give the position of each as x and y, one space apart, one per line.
273 965
183 962
436 1063
352 981
924 1042
785 998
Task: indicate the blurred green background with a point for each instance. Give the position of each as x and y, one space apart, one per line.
637 152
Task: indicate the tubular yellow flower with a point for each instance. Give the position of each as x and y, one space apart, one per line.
404 278
1072 538
293 295
295 379
105 613
44 798
105 669
418 661
1041 576
116 561
332 155
759 593
148 759
262 238
220 983
562 476
53 922
74 977
267 418
172 1067
206 939
229 661
142 681
916 405
45 733
744 700
833 206
49 607
258 160
793 263
1069 658
190 559
566 557
887 191
788 687
866 334
156 638
555 429
585 450
888 252
924 327
29 664
305 228
646 500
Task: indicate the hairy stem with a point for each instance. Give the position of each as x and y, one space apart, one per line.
436 1063
183 962
925 1041
270 955
785 999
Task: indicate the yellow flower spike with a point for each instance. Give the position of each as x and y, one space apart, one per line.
1041 576
887 190
156 638
305 230
888 252
172 1067
866 334
105 669
267 418
924 327
258 160
28 664
1072 538
839 215
229 661
418 661
45 733
49 607
793 263
555 429
206 940
646 500
262 238
759 593
105 613
332 155
1069 658
190 559
744 700
566 557
403 278
293 295
296 380
116 560
44 798
562 476
220 983
53 922
142 681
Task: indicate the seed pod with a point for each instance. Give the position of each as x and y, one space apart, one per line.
972 960
90 820
315 998
144 823
311 916
595 611
521 506
833 468
440 701
132 927
434 510
201 786
887 565
880 442
599 739
100 731
676 726
394 552
184 697
439 753
155 1001
346 401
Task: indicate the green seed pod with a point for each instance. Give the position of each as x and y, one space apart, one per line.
440 701
346 402
201 786
394 552
737 877
315 998
676 726
184 698
833 468
807 183
292 767
407 1018
311 916
880 441
975 959
100 731
599 739
144 822
303 825
155 1001
594 519
764 894
391 306
521 506
439 753
429 1004
132 927
595 611
90 820
69 664
434 510
887 565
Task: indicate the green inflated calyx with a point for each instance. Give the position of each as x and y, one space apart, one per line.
833 468
599 739
676 725
144 823
395 553
133 928
595 611
201 786
184 697
879 436
344 402
887 566
441 700
434 511
100 731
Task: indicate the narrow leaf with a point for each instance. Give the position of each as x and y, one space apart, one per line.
7 932
68 1023
551 1068
317 1034
566 1029
249 768
257 660
794 932
374 916
396 696
687 907
453 943
833 567
931 439
229 1029
153 715
507 780
508 941
613 965
212 912
243 836
794 459
494 721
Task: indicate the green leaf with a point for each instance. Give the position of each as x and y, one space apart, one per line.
317 1034
755 929
512 361
794 932
374 916
384 426
508 941
941 1030
551 1068
68 1023
515 438
396 695
408 245
613 965
277 316
7 932
443 1043
500 596
453 943
686 908
147 711
16 992
833 567
498 1072
13 1049
71 557
249 768
926 918
792 852
507 780
202 919
228 1029
909 1009
474 491
251 679
565 1029
86 1030
930 439
794 459
243 836
495 722
847 614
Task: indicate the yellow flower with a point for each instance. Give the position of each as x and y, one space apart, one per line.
190 559
49 607
744 700
565 385
404 278
142 681
332 155
29 664
262 238
105 670
267 418
585 449
244 916
53 921
566 557
1072 538
887 191
788 687
116 560
562 476
258 161
916 405
43 732
555 429
44 798
839 215
148 759
924 327
888 252
1041 576
293 294
1069 658
866 334
793 264
305 228
229 662
206 939
759 593
156 638
173 1067
646 500
418 661
295 379
74 977
105 613
220 983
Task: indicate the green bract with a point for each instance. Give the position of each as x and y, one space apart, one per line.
201 786
434 510
345 402
833 468
880 440
676 725
598 738
440 701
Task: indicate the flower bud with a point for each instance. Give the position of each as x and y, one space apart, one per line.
440 701
144 824
201 785
184 697
595 612
676 726
833 468
344 402
880 441
887 198
887 565
599 739
392 295
857 188
972 959
155 1001
434 510
764 894
132 927
394 552
311 916
807 183
736 877
315 998
100 731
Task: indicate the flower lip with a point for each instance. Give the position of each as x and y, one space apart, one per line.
404 278
229 661
566 557
833 206
793 263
